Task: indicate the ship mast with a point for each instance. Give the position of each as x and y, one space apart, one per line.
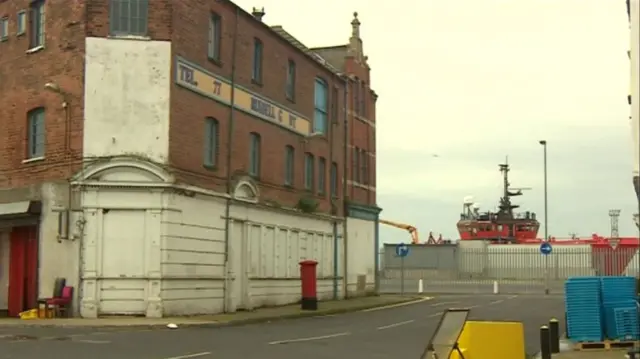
506 207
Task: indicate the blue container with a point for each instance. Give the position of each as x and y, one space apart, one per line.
621 321
583 308
618 289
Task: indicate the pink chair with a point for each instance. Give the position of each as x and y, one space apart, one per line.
61 306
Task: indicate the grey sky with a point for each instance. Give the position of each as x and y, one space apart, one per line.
476 80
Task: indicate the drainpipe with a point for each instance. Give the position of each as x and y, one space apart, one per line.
227 210
334 214
376 251
372 178
345 197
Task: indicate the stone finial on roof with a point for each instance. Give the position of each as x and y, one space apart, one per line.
355 49
355 26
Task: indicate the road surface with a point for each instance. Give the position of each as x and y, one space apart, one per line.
399 332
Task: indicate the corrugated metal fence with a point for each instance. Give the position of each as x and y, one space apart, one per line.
515 269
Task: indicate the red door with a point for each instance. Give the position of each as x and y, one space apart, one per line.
23 267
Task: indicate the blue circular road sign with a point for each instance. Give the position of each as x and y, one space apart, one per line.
545 248
402 250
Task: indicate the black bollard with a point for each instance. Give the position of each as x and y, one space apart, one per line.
554 335
545 345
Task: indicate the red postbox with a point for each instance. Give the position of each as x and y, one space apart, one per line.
309 285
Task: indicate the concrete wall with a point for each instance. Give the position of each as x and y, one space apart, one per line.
126 106
422 257
361 254
58 257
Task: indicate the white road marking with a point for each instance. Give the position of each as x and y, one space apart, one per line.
305 339
496 302
325 316
512 296
88 341
435 315
196 355
395 324
399 304
442 303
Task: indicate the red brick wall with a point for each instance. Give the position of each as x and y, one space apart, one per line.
362 134
190 21
22 80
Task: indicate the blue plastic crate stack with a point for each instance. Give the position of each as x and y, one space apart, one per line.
620 308
583 308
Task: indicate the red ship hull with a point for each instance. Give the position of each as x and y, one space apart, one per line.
489 231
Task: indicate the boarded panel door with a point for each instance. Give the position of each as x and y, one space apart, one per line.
234 284
239 283
123 262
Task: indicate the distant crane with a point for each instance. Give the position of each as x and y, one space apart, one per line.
413 231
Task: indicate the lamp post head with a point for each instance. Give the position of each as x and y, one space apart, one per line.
53 87
543 142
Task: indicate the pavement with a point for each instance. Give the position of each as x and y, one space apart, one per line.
567 351
242 317
396 331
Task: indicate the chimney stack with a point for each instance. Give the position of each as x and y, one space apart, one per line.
258 13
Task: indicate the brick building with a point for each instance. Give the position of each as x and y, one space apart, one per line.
178 157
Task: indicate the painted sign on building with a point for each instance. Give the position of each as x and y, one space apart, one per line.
218 88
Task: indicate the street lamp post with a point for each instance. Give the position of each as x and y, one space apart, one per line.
546 223
543 143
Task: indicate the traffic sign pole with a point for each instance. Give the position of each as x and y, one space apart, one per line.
402 250
546 274
546 249
402 276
